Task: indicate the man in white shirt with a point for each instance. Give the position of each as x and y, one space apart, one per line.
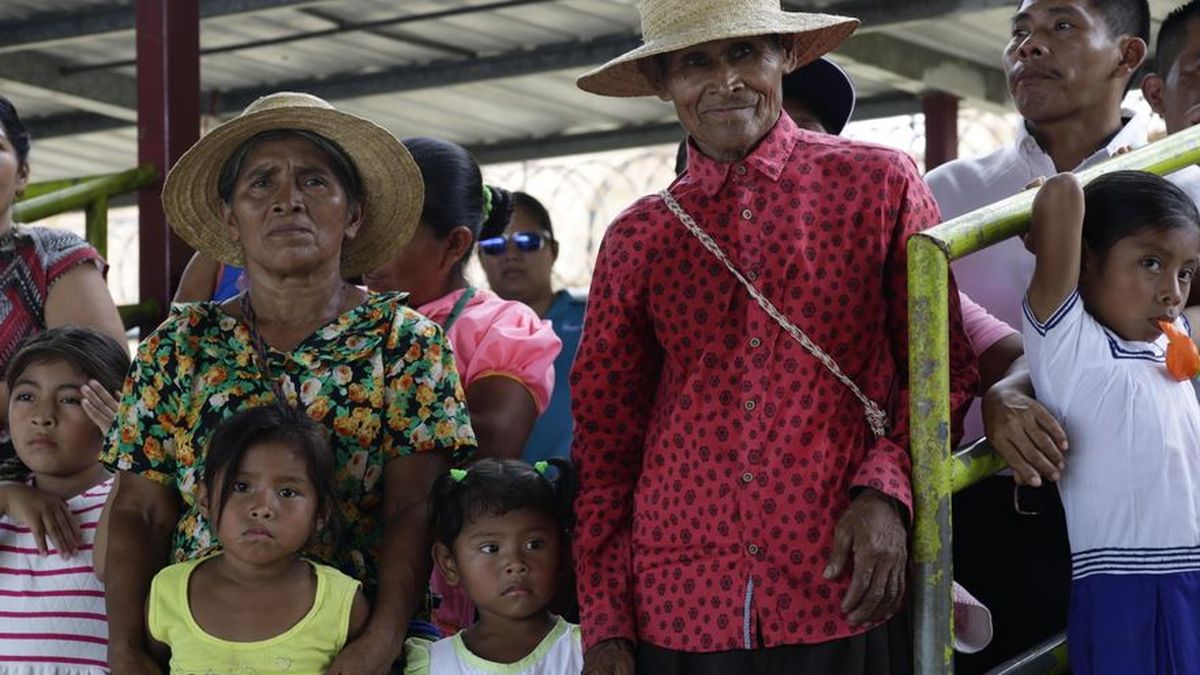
1173 89
1068 64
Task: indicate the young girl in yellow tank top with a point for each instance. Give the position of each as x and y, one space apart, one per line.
258 606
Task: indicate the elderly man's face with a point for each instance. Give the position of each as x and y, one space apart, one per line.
727 93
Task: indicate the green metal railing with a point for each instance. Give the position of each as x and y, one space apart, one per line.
90 193
937 474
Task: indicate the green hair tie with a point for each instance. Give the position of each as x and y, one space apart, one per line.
458 475
541 467
487 203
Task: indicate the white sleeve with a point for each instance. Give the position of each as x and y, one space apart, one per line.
1056 347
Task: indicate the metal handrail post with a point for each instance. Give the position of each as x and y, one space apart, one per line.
929 436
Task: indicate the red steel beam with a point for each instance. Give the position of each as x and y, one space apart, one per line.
168 87
941 128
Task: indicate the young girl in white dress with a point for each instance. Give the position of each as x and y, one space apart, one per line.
500 530
1113 261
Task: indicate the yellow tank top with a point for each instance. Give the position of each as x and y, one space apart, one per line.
308 647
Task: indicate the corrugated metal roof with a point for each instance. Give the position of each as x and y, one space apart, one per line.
502 109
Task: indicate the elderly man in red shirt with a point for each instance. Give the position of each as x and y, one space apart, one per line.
740 393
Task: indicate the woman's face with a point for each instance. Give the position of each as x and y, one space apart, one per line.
288 209
14 175
424 267
516 274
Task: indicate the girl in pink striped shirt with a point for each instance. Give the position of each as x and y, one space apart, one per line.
53 618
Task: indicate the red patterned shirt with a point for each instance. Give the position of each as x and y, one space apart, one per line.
715 454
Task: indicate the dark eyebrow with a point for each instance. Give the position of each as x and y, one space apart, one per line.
265 170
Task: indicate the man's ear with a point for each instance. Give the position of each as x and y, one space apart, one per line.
1153 89
651 68
791 52
443 558
1133 55
554 250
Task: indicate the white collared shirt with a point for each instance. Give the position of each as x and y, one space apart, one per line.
998 276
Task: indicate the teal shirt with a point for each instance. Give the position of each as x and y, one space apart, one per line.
552 433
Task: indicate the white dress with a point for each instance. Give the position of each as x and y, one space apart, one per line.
559 653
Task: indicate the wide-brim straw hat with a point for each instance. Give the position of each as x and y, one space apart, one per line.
393 192
671 25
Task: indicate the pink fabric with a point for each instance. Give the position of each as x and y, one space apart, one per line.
972 622
492 336
500 337
983 329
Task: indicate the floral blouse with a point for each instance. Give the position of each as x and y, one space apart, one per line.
381 377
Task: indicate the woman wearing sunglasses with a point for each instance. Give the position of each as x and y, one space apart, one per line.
519 261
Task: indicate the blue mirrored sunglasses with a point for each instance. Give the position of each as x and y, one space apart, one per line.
527 242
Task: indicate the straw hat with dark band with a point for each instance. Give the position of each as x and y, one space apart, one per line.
671 25
393 192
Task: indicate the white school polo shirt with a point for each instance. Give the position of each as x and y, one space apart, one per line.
1131 489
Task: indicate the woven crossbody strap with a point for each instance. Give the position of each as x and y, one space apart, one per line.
876 417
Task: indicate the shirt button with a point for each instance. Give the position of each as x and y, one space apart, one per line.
752 549
755 342
747 214
750 405
740 170
752 275
747 477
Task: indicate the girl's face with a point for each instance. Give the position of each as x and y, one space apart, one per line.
272 510
507 564
50 431
1142 279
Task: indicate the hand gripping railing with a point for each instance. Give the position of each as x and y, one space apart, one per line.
91 193
936 474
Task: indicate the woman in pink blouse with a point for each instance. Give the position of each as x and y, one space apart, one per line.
505 353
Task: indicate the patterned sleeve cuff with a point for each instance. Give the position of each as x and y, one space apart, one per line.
886 469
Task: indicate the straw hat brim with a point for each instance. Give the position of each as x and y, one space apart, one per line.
393 191
815 35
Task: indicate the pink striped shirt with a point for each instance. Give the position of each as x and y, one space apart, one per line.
52 615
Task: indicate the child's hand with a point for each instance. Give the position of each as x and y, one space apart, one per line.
99 405
1060 198
44 515
609 657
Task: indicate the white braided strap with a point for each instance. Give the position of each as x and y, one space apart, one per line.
877 419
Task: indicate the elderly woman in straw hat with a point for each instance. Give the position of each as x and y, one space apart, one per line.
303 196
740 390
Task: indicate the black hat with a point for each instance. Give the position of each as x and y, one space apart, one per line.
825 89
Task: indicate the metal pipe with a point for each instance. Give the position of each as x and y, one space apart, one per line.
974 463
929 437
79 196
1047 657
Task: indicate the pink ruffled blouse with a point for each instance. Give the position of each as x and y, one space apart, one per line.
493 336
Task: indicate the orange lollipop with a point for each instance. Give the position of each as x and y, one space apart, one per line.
1183 359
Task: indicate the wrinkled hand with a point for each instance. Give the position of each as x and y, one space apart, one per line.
1025 434
873 532
367 655
45 515
609 657
99 405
